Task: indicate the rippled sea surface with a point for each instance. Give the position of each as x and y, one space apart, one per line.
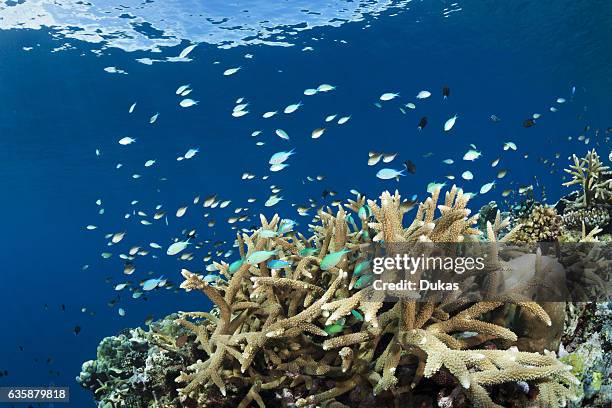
71 70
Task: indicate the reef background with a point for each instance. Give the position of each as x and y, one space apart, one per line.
506 59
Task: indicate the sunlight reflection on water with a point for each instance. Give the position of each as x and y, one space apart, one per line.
134 25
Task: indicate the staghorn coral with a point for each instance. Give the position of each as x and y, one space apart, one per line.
542 225
592 205
594 178
314 331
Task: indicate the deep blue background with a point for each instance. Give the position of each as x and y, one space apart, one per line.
56 108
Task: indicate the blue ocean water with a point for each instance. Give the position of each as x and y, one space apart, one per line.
509 59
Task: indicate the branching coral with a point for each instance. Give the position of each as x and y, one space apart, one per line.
542 225
314 330
594 178
592 205
591 217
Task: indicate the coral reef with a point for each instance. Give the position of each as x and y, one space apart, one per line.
312 330
137 367
592 217
542 225
594 178
588 344
307 331
592 205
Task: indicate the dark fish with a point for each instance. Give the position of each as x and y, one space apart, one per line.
325 193
77 330
446 92
410 166
422 122
63 307
408 205
528 123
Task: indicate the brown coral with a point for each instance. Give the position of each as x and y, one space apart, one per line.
317 332
542 225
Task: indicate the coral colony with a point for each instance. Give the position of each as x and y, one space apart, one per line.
295 324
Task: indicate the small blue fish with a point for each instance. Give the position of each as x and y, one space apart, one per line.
361 268
387 174
363 281
357 315
267 233
278 263
332 259
280 157
151 284
364 212
260 256
212 278
234 266
308 251
286 225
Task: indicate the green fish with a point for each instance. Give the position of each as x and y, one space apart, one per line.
357 315
361 268
308 251
330 260
260 256
286 225
234 266
363 281
267 233
334 328
364 212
